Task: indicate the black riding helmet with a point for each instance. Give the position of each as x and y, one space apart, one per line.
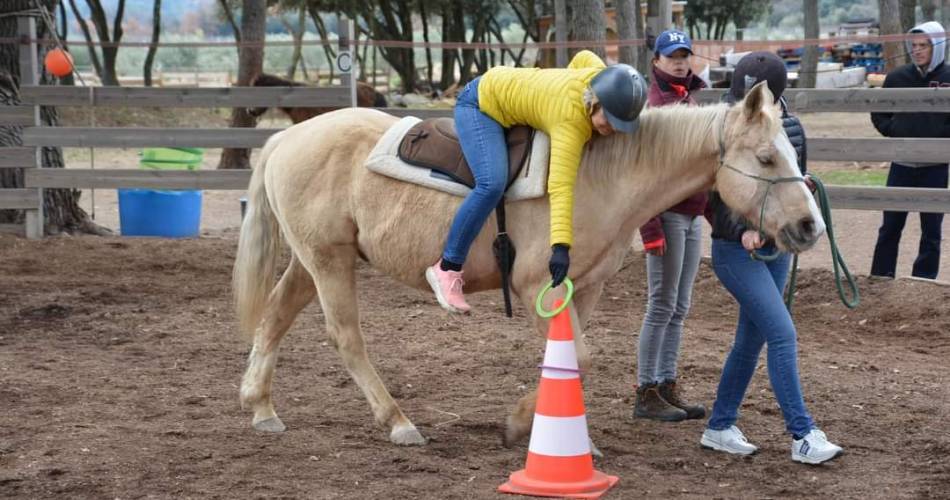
755 67
621 92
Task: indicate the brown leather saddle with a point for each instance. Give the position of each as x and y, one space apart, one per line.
433 144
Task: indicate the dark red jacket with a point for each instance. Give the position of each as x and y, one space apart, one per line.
667 90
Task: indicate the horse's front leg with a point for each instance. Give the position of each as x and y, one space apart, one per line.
519 422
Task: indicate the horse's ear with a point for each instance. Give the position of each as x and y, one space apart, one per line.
756 99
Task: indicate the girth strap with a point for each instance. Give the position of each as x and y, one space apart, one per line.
504 252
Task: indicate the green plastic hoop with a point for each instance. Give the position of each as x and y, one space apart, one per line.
539 307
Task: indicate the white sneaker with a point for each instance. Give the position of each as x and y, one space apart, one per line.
814 448
730 440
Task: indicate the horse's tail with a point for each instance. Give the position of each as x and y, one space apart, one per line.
258 249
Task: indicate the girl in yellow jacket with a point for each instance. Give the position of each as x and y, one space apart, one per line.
566 103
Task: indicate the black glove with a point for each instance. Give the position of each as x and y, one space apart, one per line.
559 264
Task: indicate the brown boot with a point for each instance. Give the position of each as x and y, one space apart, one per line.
651 405
669 392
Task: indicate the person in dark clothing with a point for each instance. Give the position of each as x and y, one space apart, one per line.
928 69
757 287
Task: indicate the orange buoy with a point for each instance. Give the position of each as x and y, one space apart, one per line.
59 62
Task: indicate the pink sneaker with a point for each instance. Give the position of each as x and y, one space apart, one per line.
447 286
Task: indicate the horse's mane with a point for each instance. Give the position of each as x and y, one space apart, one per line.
666 135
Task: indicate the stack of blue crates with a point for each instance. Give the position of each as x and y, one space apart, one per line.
868 55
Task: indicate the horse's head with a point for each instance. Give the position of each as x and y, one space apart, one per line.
758 176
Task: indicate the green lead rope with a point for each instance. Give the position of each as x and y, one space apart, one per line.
836 259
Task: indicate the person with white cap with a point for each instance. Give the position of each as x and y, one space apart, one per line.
928 69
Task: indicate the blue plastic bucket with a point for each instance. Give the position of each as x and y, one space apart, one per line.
170 214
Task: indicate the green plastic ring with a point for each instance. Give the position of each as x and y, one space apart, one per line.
539 308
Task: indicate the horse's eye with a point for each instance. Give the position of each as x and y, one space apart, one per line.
765 159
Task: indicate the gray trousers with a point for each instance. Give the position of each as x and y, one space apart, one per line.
670 278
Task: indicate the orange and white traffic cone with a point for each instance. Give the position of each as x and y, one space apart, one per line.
559 461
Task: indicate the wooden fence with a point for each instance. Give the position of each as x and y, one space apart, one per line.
35 136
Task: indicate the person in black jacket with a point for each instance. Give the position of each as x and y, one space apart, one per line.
757 287
927 70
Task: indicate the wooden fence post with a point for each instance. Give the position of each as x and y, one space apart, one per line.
29 75
345 56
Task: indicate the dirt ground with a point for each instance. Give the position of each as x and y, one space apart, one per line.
119 372
120 366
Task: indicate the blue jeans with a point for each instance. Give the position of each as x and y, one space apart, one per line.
927 263
763 319
485 150
670 281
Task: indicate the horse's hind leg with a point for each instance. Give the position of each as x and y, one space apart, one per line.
294 291
336 284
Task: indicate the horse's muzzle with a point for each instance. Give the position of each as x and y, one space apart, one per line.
802 235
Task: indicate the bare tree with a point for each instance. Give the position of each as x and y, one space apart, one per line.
891 25
297 33
153 45
61 206
928 8
908 19
425 36
390 20
809 67
627 28
588 23
250 64
109 49
560 31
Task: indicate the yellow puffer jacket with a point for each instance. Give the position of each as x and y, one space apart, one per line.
550 100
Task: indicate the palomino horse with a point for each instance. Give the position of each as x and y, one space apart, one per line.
311 190
366 97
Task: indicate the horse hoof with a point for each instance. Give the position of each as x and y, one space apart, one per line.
407 436
515 431
272 424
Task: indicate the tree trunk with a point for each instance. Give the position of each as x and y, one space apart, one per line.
907 15
392 21
627 29
425 37
109 52
809 67
250 64
69 79
226 9
447 79
84 27
153 46
324 41
61 206
589 24
928 8
297 35
890 25
560 31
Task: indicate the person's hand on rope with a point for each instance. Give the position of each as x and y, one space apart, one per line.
810 183
559 264
752 240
